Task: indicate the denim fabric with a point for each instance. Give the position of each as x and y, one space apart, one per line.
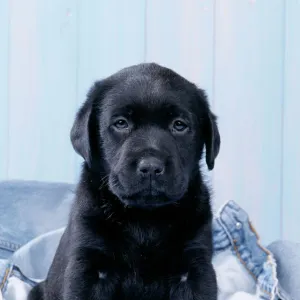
36 214
287 255
29 209
232 231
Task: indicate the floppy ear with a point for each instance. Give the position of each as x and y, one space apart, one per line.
80 131
80 134
212 140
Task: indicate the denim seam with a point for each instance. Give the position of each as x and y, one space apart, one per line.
270 260
236 250
6 245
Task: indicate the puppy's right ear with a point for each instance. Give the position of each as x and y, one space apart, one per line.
80 131
80 135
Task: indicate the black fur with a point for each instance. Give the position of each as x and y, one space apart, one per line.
140 227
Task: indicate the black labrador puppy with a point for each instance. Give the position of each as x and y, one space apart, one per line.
140 227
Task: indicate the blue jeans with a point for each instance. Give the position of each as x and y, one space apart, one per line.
34 215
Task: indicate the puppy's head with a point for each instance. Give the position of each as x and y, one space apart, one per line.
145 128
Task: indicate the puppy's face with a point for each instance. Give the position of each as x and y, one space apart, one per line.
148 126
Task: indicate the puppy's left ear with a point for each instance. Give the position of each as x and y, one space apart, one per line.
212 140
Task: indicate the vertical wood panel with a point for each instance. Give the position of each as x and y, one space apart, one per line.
42 87
248 99
111 36
57 62
180 35
291 142
4 54
23 90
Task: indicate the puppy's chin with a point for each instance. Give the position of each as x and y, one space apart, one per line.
147 201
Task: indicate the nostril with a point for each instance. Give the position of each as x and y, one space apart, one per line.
144 170
158 170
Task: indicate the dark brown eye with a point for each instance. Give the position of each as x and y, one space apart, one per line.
179 125
121 124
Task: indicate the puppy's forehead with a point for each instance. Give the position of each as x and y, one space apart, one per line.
152 95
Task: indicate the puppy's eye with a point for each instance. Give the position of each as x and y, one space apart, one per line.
179 125
121 124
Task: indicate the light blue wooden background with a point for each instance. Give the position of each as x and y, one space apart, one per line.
245 53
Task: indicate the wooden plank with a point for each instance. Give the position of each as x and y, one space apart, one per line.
248 100
58 61
23 91
4 54
42 89
181 37
291 141
111 36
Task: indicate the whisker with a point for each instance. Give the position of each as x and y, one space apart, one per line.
103 182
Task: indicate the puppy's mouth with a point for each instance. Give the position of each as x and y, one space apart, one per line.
147 197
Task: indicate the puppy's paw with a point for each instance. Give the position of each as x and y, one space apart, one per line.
187 288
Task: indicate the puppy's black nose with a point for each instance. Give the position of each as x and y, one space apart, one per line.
150 166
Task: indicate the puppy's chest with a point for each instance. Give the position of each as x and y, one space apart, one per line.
150 250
